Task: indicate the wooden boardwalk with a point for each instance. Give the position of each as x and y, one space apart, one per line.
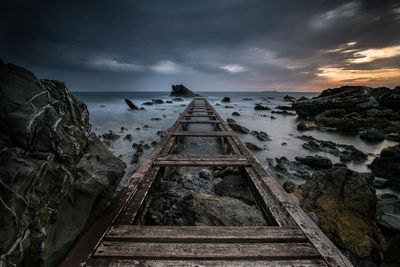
119 238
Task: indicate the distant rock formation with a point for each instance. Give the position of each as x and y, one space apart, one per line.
181 91
54 173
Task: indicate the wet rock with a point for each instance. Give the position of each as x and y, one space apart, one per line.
262 136
128 137
147 103
344 202
155 119
226 99
246 98
169 102
372 135
306 125
388 211
393 137
380 182
181 91
283 112
142 109
252 146
302 98
235 113
55 174
229 106
135 158
177 99
205 174
131 105
230 120
224 211
284 144
289 98
233 185
218 104
387 165
157 101
111 136
284 107
316 161
273 118
289 186
261 107
154 143
286 169
226 171
239 128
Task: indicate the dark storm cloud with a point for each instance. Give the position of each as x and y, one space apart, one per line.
225 45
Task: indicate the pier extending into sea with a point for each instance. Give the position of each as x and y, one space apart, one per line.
119 237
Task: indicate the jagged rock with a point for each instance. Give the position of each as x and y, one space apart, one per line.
372 135
387 165
239 128
54 173
180 90
261 107
344 202
252 146
289 98
226 99
131 105
157 101
388 211
306 125
316 161
235 113
284 107
233 185
169 102
262 136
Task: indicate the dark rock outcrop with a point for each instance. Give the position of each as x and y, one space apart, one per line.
252 146
180 90
388 211
387 165
238 128
235 114
226 99
131 105
261 107
306 125
316 161
157 101
54 173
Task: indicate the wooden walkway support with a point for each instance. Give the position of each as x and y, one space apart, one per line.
118 238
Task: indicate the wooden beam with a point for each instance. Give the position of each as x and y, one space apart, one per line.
201 134
201 122
195 163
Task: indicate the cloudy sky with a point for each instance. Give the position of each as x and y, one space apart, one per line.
231 45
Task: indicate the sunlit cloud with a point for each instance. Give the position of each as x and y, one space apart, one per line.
365 56
233 68
166 67
342 75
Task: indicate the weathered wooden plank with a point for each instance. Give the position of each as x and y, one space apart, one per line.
194 163
202 158
193 116
209 263
205 234
232 251
201 134
201 122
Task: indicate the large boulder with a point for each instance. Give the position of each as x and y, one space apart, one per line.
180 90
345 203
54 174
387 165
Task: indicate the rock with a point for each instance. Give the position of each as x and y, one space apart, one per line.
226 99
205 174
289 98
235 113
283 112
181 91
372 135
157 101
230 120
135 158
302 98
289 186
147 103
282 163
142 108
387 165
154 143
131 105
388 211
246 98
316 161
233 185
218 104
229 106
273 118
380 182
252 146
238 128
284 107
344 202
224 211
393 137
55 174
177 99
169 102
111 136
155 119
262 136
306 125
128 137
392 255
284 144
261 107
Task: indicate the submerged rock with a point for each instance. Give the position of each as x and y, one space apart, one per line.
262 136
238 128
181 91
54 173
131 105
226 99
261 107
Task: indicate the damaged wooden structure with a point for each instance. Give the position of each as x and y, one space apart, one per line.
119 238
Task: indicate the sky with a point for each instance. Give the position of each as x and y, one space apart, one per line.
208 45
